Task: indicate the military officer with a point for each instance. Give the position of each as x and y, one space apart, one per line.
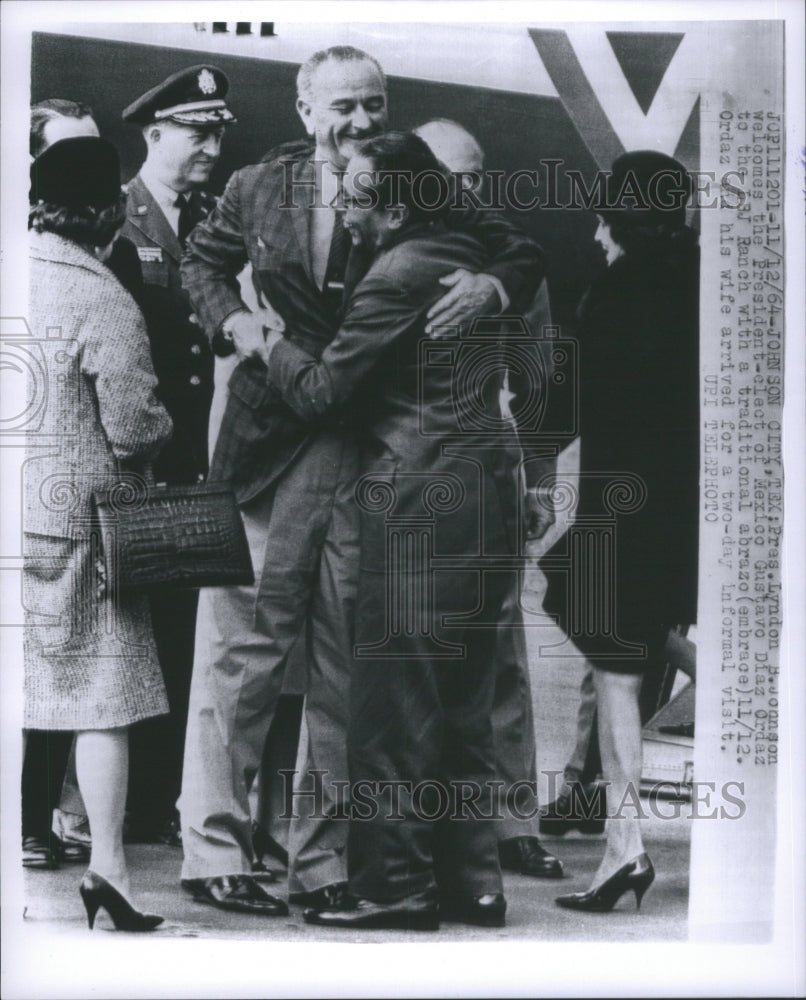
183 120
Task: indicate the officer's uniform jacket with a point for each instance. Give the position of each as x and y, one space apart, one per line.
181 352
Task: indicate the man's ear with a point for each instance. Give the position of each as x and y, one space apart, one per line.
304 111
397 216
152 133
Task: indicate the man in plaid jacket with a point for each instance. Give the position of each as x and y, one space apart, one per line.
296 489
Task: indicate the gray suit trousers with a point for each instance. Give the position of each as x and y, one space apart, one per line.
303 537
513 725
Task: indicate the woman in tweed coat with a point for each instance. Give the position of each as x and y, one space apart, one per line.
90 659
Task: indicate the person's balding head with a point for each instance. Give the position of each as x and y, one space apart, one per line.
452 145
57 118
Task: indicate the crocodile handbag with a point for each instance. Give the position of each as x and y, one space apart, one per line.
171 536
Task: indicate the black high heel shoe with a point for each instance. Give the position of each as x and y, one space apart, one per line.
637 875
96 892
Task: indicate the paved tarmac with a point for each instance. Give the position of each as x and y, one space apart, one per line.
53 907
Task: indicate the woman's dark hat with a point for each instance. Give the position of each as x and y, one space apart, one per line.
77 173
193 96
647 188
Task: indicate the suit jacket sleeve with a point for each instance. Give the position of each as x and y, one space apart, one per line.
516 260
379 314
216 253
115 357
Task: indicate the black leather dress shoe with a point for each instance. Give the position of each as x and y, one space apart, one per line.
38 853
481 911
170 833
238 893
682 729
329 897
167 831
581 808
409 914
71 851
525 856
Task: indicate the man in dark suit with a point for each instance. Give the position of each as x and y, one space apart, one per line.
436 512
534 462
183 120
296 489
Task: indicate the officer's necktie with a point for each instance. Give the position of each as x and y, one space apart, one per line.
185 220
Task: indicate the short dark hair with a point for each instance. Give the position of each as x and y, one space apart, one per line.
336 53
403 165
82 224
45 111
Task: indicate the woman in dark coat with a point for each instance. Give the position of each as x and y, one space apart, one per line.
633 547
90 660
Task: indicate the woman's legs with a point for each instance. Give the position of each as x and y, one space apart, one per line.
102 764
621 747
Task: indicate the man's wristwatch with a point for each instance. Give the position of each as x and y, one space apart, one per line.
222 343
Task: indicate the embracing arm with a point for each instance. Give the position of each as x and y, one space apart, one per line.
516 270
516 260
379 314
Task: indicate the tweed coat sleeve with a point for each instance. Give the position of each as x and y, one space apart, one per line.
115 357
216 253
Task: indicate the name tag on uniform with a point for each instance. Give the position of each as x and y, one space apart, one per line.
150 254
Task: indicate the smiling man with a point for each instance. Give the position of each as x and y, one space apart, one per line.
183 120
295 485
433 501
341 103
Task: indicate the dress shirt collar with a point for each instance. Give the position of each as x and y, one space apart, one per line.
164 196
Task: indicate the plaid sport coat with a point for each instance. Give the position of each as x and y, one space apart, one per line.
264 218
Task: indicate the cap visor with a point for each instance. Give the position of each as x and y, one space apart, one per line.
210 116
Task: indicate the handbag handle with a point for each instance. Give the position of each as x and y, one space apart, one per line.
141 470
